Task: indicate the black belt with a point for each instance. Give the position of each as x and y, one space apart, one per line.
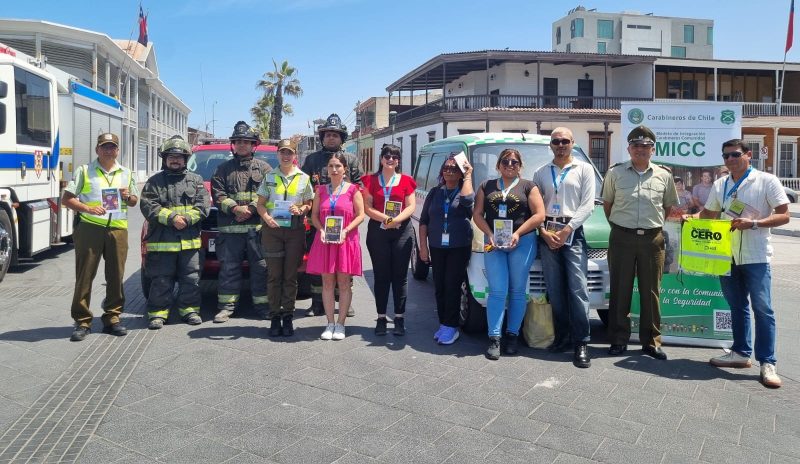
560 220
637 231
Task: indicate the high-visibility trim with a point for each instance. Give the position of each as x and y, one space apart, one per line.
260 299
243 196
188 310
189 244
162 313
227 205
227 298
91 193
163 216
239 228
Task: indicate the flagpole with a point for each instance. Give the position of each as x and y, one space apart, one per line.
780 89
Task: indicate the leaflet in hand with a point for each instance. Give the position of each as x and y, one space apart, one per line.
281 214
111 200
503 228
740 209
461 161
392 208
333 228
553 226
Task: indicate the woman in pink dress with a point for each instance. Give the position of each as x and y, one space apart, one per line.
336 259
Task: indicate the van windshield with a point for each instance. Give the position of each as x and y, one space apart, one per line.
534 156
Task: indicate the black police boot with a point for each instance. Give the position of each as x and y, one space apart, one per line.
288 326
275 327
581 356
380 326
399 325
512 343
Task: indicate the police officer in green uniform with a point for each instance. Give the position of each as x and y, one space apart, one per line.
284 199
100 193
637 197
174 203
332 134
233 188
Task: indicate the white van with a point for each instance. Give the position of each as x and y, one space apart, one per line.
482 151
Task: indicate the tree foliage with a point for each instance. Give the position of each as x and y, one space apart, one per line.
270 108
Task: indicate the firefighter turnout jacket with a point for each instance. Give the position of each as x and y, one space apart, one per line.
316 166
235 184
165 196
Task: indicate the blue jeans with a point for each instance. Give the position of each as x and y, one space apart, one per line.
507 272
755 281
565 275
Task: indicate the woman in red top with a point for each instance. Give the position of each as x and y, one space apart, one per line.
389 202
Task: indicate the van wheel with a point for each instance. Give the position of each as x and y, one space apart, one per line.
7 247
472 314
603 315
419 268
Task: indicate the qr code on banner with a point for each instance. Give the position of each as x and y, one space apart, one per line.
722 321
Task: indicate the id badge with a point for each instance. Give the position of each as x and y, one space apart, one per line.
555 210
445 240
502 210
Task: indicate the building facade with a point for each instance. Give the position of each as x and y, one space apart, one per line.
633 33
123 70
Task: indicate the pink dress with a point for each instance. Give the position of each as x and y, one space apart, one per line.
325 258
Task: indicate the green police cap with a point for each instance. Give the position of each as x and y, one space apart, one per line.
642 134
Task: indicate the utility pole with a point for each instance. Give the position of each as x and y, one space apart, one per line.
212 118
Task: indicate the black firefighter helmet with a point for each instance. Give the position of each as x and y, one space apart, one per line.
242 131
332 124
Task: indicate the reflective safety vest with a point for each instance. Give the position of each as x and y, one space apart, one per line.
279 190
706 246
94 181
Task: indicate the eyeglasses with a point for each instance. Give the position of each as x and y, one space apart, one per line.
389 157
560 142
732 154
451 169
510 162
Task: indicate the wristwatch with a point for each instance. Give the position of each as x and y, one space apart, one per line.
755 224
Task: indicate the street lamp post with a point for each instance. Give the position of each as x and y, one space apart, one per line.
392 120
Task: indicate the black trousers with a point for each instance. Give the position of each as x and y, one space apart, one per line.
449 267
164 269
390 251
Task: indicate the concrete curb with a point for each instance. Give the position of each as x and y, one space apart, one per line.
786 232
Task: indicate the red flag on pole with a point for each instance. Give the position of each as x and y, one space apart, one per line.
790 32
143 27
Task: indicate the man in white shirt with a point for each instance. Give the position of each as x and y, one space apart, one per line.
756 202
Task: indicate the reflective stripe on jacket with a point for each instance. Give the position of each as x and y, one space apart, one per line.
167 195
235 183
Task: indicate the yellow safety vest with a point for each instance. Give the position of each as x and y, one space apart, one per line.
94 181
706 246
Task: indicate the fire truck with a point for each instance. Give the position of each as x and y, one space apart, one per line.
47 125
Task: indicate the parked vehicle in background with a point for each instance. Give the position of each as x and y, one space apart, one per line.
205 159
482 151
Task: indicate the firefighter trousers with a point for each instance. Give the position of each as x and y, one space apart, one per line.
164 269
232 249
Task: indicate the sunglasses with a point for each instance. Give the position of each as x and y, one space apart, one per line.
511 162
451 169
394 157
732 154
561 142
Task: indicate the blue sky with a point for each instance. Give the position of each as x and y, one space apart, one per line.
350 50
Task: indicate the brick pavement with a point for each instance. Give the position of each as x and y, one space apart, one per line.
227 393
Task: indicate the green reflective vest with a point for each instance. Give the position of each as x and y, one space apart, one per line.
94 181
706 246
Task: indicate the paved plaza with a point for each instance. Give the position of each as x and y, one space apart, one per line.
227 393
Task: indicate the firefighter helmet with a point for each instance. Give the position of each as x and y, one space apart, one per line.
175 145
242 131
333 124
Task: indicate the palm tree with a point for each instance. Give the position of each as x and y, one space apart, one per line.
262 113
277 83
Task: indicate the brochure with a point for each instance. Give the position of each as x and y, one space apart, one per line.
392 208
333 228
553 226
281 213
111 200
740 209
461 161
503 228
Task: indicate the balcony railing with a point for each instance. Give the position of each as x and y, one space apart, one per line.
478 102
791 182
770 109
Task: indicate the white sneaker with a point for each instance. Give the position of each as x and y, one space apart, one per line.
338 332
731 359
769 376
328 333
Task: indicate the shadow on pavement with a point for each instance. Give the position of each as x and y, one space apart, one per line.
37 335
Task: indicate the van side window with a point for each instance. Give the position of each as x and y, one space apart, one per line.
436 163
421 174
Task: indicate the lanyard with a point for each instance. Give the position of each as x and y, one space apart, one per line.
505 191
387 191
448 199
333 199
109 182
286 185
727 193
560 178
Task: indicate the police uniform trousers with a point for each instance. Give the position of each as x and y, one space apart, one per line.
93 242
633 255
283 251
164 269
232 249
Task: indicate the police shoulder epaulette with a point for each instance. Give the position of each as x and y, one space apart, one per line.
615 165
665 167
